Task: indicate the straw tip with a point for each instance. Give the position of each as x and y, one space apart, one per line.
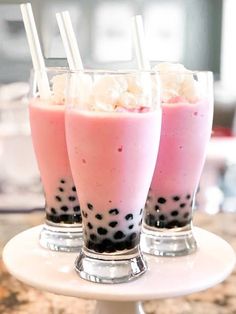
137 17
66 14
25 4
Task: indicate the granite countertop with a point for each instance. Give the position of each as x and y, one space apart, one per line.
18 298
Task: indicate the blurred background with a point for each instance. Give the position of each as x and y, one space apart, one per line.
198 33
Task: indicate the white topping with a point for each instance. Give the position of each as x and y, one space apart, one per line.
176 81
107 91
58 88
134 84
118 92
81 88
127 100
114 92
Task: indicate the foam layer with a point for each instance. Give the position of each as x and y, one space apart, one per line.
106 92
177 83
119 92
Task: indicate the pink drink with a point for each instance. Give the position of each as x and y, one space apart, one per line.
48 133
186 129
114 155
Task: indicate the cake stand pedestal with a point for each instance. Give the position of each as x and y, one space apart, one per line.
166 276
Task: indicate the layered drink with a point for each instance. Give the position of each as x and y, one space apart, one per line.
108 138
187 106
62 230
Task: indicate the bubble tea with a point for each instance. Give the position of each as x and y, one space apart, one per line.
109 132
62 229
187 105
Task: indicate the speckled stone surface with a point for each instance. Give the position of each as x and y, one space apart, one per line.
18 298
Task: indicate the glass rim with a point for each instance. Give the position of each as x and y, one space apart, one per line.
66 69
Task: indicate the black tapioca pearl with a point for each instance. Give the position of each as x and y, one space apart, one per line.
172 224
90 206
113 224
63 181
182 223
77 209
72 198
160 224
133 241
77 218
157 208
131 227
120 246
182 205
188 196
53 218
150 220
130 244
93 237
53 211
61 189
119 235
129 217
114 211
161 200
162 217
141 211
176 198
64 208
98 216
101 231
107 242
108 246
174 213
98 248
90 245
58 198
85 215
67 219
73 189
90 226
186 215
133 236
70 219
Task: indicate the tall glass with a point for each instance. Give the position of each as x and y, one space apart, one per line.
112 126
187 106
62 230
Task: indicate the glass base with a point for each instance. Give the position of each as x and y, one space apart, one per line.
111 268
168 243
63 238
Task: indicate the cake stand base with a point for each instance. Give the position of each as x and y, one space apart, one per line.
166 276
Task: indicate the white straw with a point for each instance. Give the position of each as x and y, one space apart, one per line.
139 43
69 41
35 50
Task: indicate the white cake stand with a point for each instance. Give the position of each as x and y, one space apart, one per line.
166 277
